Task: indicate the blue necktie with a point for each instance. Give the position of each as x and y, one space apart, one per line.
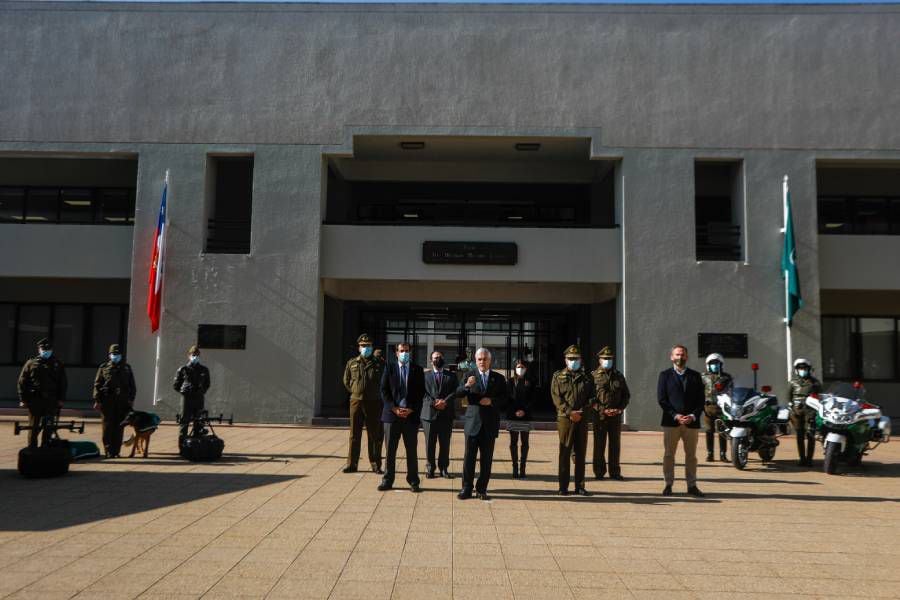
403 386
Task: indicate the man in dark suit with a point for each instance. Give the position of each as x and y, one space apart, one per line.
483 393
402 389
437 415
680 395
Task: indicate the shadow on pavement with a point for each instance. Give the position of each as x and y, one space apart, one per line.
85 496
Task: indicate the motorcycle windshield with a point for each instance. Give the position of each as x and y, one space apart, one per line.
740 395
843 389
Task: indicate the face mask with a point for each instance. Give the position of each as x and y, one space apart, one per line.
194 359
520 371
115 358
438 362
606 363
365 351
403 357
713 367
803 372
574 365
45 354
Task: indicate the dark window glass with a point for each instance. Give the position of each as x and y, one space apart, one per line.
7 332
34 324
68 333
12 205
871 216
834 216
837 347
877 340
76 205
106 328
894 215
116 206
223 337
230 217
42 205
718 229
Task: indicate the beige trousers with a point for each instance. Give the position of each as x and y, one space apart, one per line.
671 437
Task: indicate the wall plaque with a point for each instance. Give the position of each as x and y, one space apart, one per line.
470 253
729 345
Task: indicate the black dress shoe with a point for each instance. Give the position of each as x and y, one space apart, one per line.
667 491
348 469
384 486
446 474
414 488
563 492
429 474
723 456
695 491
482 496
580 491
376 468
617 477
464 494
599 477
709 457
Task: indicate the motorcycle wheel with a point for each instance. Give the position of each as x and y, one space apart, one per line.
832 450
767 453
739 453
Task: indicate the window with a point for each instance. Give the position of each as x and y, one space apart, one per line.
863 348
230 202
222 337
718 210
113 206
858 199
81 333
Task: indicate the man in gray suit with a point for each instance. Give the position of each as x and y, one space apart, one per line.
437 415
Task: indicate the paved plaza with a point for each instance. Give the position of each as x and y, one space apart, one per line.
276 518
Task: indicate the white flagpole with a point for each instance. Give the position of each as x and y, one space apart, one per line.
787 291
160 271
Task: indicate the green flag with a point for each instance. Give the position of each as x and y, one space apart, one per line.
792 298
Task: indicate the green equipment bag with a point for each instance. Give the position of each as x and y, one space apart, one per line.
80 450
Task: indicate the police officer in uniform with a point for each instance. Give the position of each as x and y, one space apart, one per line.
803 418
362 378
611 396
42 388
192 382
715 381
114 393
572 391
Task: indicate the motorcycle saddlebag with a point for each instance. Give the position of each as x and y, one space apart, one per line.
45 461
201 448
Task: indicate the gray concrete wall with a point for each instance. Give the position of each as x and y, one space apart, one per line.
56 250
859 262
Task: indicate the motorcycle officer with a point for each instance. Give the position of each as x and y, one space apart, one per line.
803 418
715 381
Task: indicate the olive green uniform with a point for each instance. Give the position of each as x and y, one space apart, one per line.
42 389
711 410
610 392
114 391
571 390
803 418
362 378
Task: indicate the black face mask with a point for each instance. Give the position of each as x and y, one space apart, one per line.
438 363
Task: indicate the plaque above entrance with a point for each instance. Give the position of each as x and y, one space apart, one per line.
470 253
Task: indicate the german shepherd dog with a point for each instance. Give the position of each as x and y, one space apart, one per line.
143 424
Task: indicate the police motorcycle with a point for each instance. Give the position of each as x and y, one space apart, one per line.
847 425
752 420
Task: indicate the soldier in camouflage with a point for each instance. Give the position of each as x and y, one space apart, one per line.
42 388
715 381
572 392
803 418
362 378
114 393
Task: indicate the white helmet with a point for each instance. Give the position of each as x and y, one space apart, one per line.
802 361
715 356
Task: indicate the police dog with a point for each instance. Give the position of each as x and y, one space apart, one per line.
143 424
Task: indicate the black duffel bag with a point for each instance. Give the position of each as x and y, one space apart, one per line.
50 460
201 448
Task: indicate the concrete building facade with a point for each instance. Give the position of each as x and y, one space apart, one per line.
631 157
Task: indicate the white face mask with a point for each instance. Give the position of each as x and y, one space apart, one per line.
520 371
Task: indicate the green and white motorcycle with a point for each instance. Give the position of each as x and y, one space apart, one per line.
751 420
847 425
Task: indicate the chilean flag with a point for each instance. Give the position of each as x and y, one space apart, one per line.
157 264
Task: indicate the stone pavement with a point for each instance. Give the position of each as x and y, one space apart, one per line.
277 519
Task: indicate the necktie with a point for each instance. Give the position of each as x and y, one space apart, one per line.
484 380
403 386
437 380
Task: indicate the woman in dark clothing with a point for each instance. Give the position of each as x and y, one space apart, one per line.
518 417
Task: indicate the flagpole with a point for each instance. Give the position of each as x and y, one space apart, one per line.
156 397
787 293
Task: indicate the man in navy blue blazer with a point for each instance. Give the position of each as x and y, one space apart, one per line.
483 394
681 396
402 389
